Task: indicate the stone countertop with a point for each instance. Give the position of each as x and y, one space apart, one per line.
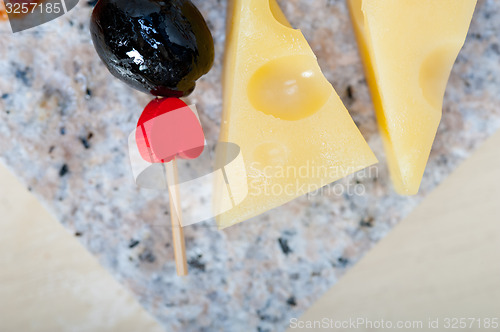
64 123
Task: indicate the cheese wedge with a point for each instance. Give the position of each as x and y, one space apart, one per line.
408 48
294 132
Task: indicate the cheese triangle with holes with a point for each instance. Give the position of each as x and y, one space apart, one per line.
295 134
408 48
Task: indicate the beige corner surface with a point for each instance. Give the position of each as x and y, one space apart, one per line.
48 281
443 261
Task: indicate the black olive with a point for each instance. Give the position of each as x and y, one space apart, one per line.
160 47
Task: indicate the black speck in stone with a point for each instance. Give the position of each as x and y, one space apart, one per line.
350 93
263 316
64 170
495 48
78 234
23 75
7 111
367 222
88 93
85 142
342 261
477 36
443 160
291 301
196 263
147 256
5 96
62 131
133 243
51 148
261 329
284 246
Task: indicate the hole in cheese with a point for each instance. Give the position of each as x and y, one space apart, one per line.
278 14
270 154
434 73
289 88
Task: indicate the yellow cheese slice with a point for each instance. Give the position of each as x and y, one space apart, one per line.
294 132
408 48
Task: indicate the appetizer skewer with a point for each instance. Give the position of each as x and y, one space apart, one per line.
161 48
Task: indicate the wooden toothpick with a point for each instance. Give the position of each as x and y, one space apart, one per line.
176 218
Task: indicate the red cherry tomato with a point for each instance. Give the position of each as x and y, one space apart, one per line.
167 129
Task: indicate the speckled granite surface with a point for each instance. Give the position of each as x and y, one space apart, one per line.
64 122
